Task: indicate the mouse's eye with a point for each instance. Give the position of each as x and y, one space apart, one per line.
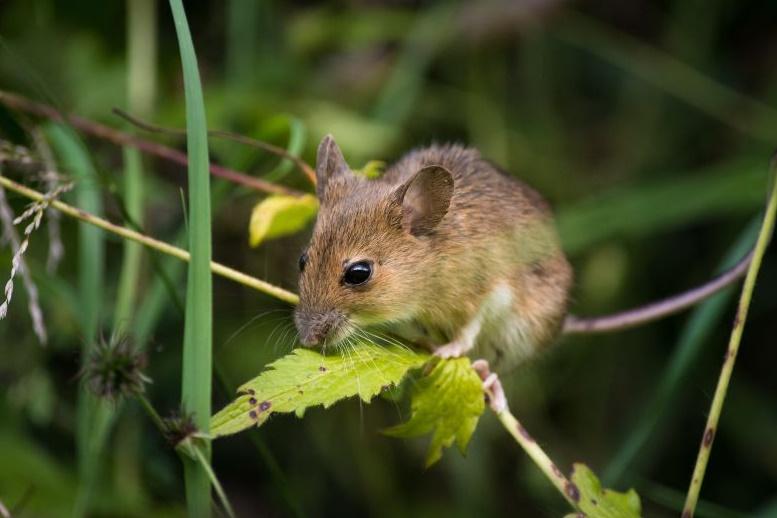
303 260
357 273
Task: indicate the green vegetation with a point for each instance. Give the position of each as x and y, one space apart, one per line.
648 128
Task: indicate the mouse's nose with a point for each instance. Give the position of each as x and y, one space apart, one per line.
315 326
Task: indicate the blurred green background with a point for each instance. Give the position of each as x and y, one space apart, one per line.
648 125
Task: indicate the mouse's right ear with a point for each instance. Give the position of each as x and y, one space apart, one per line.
329 164
425 199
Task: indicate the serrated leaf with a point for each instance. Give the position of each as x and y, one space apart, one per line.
597 502
307 378
372 169
446 403
280 215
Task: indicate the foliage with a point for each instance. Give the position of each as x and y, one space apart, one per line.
598 502
446 403
305 378
197 356
280 215
647 130
372 169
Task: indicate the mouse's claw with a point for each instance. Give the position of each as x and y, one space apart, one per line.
492 386
451 350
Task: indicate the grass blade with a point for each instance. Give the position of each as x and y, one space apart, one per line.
141 86
197 346
93 415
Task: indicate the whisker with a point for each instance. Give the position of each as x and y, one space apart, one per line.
248 324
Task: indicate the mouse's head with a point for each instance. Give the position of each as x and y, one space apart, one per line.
369 255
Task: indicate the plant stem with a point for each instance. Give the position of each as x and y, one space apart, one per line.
155 244
120 138
160 424
152 413
214 480
731 353
540 458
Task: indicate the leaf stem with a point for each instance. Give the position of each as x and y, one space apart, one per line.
155 244
731 352
568 489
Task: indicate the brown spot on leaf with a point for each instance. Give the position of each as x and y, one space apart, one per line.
252 414
251 392
322 369
572 491
264 406
708 436
252 401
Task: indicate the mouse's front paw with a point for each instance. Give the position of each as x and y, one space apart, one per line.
451 350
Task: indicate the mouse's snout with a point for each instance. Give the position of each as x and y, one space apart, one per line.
316 327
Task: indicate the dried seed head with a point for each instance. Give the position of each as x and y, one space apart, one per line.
180 427
114 369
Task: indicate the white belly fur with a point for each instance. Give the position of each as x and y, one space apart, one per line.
504 338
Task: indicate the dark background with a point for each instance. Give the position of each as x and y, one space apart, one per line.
648 125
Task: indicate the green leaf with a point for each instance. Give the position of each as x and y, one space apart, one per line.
307 378
372 169
446 403
280 215
597 502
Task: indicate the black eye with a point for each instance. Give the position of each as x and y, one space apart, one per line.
357 273
303 260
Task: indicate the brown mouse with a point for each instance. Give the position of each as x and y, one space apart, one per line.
443 249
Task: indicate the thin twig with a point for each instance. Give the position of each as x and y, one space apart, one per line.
731 352
160 246
266 146
101 131
656 310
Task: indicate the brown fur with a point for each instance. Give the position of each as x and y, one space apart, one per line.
488 230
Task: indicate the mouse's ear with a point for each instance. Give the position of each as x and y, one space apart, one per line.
329 163
425 199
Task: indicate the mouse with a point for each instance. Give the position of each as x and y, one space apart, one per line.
444 249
